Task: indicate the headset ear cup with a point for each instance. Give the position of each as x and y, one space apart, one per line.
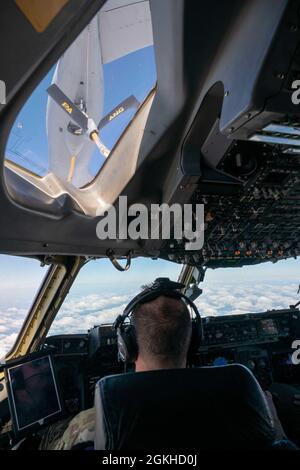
196 338
127 344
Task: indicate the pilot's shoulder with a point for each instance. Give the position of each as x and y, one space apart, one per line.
80 429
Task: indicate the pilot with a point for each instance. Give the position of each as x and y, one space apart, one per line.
163 331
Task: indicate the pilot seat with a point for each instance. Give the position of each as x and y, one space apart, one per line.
195 409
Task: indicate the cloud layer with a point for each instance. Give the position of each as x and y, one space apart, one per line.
81 313
11 320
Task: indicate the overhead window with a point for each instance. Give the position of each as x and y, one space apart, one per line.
80 112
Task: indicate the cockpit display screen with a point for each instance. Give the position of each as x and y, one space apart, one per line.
34 396
269 327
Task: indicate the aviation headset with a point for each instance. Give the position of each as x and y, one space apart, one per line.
127 342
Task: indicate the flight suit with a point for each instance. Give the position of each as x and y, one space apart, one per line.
71 432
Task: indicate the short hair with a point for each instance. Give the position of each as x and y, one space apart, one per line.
163 328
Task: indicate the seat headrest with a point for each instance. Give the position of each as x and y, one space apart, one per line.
201 408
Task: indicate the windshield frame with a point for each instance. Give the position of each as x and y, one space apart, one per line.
58 279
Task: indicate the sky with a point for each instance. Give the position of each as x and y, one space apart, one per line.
100 292
134 74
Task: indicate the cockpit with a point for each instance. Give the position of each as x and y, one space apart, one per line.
141 141
52 375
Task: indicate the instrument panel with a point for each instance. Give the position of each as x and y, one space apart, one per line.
67 345
219 331
261 341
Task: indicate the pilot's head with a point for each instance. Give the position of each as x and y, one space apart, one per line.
163 330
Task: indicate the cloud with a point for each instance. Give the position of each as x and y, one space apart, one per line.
6 342
225 299
11 320
80 313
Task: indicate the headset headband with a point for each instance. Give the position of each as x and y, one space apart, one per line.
161 286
